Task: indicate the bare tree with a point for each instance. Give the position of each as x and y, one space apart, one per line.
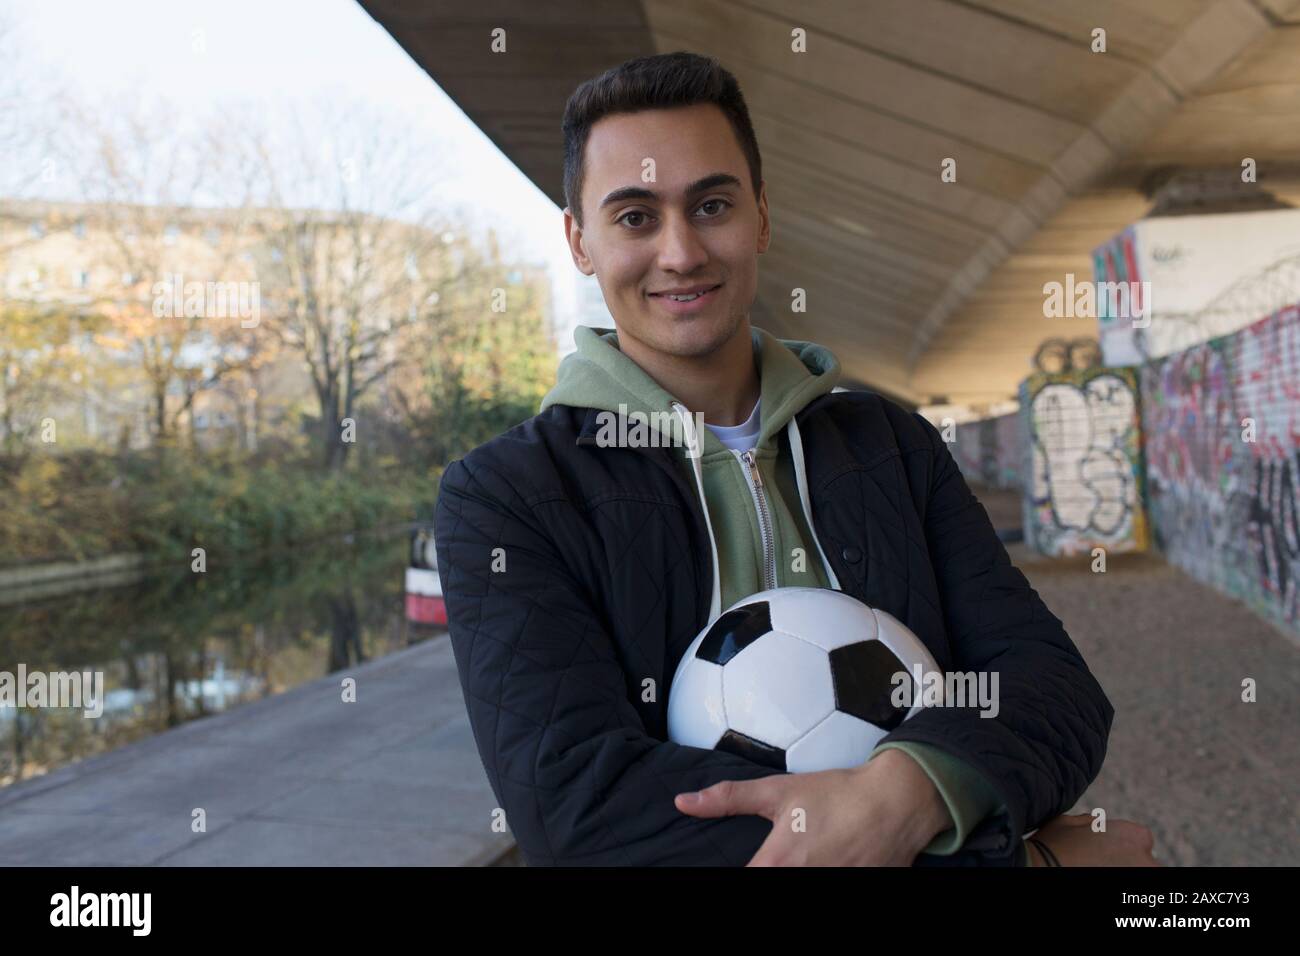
352 257
142 183
27 126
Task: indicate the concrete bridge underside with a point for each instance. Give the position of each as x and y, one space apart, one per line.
926 290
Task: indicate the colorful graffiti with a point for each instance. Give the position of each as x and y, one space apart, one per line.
1207 459
990 451
1083 469
1223 462
1209 275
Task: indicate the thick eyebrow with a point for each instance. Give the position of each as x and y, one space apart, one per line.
712 181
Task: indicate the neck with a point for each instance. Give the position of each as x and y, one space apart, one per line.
723 385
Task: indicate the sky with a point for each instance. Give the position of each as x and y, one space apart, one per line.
213 53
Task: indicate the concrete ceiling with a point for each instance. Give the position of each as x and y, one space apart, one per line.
922 288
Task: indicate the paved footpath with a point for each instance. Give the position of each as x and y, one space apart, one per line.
300 778
1216 779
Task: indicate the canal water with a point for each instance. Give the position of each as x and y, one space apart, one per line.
175 648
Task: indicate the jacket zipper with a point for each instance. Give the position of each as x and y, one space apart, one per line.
755 481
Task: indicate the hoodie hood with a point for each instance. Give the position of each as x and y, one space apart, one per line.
599 375
791 374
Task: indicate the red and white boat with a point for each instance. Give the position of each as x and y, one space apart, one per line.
424 603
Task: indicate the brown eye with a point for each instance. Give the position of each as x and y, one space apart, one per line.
722 202
628 214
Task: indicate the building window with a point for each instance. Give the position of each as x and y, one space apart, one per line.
37 229
212 235
81 279
128 279
79 229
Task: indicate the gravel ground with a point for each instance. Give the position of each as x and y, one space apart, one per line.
1214 778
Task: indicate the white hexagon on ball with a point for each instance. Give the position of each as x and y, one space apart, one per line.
695 713
777 713
829 619
840 742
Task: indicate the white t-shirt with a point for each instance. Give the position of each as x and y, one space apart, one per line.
740 437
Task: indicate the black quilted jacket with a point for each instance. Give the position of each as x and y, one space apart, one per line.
607 579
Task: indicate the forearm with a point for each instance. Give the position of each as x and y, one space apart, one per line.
908 796
969 797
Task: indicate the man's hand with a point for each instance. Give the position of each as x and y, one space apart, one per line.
1074 843
879 814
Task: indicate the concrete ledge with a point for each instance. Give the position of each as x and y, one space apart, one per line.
47 580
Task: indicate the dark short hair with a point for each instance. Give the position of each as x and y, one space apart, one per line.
663 81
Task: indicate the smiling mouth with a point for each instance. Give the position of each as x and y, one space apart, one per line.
684 298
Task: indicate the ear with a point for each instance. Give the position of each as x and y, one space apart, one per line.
577 249
764 220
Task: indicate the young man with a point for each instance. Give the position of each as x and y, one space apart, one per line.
576 570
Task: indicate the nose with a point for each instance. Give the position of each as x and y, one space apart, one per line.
680 249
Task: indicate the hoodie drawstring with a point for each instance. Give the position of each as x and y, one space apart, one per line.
801 479
695 447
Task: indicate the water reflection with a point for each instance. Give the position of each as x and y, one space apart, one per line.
177 648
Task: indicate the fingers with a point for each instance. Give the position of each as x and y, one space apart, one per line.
733 798
1143 839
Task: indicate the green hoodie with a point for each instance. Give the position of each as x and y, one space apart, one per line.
791 374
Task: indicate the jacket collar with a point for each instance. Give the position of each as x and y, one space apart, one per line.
590 426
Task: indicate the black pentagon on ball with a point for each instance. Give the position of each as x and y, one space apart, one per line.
734 631
862 674
734 742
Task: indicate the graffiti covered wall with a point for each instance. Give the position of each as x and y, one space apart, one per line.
1209 275
1083 465
990 451
1223 462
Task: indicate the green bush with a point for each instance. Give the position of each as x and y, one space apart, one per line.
72 508
247 512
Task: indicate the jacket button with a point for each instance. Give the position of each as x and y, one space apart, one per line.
852 555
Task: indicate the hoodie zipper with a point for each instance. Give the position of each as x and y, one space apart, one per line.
755 481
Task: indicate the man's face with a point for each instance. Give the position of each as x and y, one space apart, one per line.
696 225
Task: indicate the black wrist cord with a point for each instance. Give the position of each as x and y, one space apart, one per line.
1048 856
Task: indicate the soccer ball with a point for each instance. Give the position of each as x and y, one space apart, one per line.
800 679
